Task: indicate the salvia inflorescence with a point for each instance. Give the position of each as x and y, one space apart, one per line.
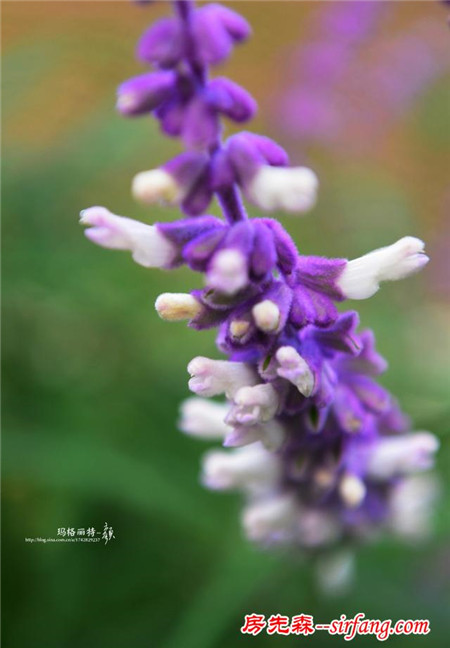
322 452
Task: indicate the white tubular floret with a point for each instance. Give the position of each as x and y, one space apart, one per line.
156 186
294 368
204 418
250 468
213 377
402 455
270 519
254 405
176 307
271 434
291 189
361 277
411 506
147 245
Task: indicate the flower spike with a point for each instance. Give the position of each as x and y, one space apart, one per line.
321 452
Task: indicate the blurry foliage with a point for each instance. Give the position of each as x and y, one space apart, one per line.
93 379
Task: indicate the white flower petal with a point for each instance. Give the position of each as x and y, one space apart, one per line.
147 245
250 467
253 405
228 272
291 189
204 418
294 368
213 377
270 519
403 454
361 277
411 506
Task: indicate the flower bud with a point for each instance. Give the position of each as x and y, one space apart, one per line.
144 93
163 44
214 29
352 490
176 307
228 271
154 186
266 315
239 328
230 99
173 182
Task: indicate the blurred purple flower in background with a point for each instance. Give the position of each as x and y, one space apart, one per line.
321 451
346 86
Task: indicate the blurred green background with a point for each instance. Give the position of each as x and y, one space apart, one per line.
93 379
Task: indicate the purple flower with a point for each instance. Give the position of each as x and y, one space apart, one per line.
347 87
320 450
214 30
144 93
